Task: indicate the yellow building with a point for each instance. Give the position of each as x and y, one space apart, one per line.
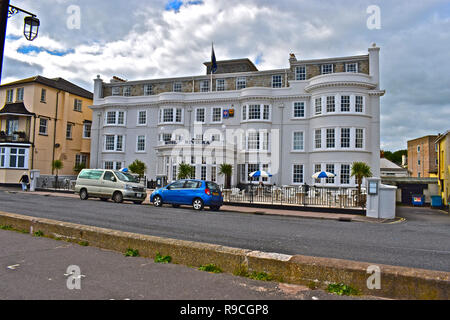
42 120
443 149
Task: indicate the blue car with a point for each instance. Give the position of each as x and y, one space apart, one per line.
198 193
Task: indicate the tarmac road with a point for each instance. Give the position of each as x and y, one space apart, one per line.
422 241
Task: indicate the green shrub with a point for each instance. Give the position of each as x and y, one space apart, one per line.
341 289
132 253
210 268
162 259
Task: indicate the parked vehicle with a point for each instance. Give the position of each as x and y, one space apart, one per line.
198 193
109 184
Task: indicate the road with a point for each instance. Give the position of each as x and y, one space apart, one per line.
422 241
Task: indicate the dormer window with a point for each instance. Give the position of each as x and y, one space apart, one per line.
351 67
241 83
204 86
177 87
127 91
115 91
327 68
277 81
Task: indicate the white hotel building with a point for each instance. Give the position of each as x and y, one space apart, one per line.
321 114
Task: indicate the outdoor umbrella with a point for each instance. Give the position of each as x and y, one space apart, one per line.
323 174
259 173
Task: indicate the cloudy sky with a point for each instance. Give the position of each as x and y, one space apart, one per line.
143 39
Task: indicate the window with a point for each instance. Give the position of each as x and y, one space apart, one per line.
200 115
351 67
165 137
318 106
127 91
112 165
359 104
418 149
9 95
43 126
213 173
14 158
203 173
265 167
69 130
113 143
359 143
317 168
142 118
418 162
177 87
297 173
140 143
220 85
43 95
297 143
253 141
204 86
330 138
266 112
277 81
254 111
241 83
299 110
81 159
87 130
300 73
331 104
345 174
318 138
327 68
345 103
77 105
330 168
252 167
19 94
345 137
148 89
216 115
115 117
265 140
244 112
115 91
171 115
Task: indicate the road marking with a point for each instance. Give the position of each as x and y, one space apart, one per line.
13 267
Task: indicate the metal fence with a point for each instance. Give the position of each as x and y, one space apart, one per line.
49 182
297 195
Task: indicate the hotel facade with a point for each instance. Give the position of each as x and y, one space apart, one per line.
314 115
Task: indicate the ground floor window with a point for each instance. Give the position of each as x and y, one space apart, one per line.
112 165
297 173
81 159
14 158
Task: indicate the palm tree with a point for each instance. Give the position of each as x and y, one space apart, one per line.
57 165
185 171
360 170
226 170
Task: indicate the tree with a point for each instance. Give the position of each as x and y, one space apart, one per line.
138 167
226 170
78 167
57 165
360 170
185 171
395 156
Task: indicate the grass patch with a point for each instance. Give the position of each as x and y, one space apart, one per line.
263 276
342 289
162 259
132 253
6 227
241 271
83 243
39 233
210 268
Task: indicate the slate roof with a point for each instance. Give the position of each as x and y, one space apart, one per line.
58 83
16 108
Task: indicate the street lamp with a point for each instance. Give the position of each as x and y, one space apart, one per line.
30 29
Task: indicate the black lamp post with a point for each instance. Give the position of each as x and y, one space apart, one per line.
30 30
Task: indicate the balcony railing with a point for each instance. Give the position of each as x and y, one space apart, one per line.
186 142
17 136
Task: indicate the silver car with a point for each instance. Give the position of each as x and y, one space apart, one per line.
109 184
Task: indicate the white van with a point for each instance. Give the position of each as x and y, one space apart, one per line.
109 184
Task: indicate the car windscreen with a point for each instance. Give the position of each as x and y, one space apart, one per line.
125 177
212 186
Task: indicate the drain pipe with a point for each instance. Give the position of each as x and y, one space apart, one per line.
54 129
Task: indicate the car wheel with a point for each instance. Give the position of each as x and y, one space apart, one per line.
197 204
84 194
117 197
157 201
138 202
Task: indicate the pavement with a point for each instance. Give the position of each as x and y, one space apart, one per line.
252 210
420 241
37 268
